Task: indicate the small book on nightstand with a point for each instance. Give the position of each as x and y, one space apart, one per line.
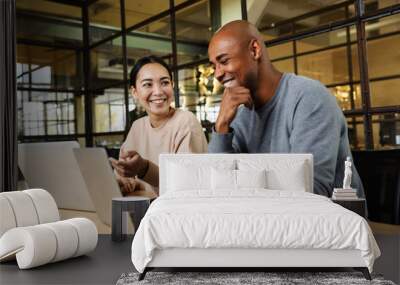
344 194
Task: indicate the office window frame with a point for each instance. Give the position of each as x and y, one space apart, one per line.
358 21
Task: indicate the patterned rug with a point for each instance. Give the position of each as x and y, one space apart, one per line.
230 278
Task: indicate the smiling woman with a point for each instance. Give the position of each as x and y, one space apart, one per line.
152 87
163 130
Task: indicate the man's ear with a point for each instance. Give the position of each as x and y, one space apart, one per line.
255 49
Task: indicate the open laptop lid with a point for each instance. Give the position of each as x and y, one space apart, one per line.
52 166
99 179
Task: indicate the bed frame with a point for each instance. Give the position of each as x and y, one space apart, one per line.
246 259
238 259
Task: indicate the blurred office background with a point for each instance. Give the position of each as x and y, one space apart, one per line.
74 58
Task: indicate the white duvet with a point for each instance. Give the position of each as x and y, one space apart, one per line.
253 218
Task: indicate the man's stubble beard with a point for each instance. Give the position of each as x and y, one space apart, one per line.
251 84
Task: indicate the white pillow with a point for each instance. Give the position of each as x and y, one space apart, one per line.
251 178
183 178
281 174
186 175
223 179
228 179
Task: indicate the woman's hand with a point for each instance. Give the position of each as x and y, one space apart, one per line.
130 164
127 185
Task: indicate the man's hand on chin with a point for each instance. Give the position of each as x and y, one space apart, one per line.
232 98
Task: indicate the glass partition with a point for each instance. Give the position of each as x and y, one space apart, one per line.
104 19
386 130
316 39
109 110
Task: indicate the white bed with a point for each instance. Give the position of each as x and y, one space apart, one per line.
201 219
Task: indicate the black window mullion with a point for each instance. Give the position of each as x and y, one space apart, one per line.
363 64
125 64
350 72
86 78
243 4
174 52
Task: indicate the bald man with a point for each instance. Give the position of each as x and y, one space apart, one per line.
267 111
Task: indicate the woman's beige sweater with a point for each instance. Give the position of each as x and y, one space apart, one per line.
181 133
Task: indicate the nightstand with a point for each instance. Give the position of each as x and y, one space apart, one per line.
135 205
356 205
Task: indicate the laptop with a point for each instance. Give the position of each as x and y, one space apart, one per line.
99 179
77 178
53 167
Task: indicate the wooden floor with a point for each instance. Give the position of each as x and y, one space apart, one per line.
379 228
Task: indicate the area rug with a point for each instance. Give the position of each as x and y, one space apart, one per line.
273 278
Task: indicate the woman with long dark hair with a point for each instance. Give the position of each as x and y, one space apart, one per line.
163 130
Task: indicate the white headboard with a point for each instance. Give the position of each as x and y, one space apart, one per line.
196 160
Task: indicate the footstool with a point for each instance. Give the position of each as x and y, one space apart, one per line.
137 206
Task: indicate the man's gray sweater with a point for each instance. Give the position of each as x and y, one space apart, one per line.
302 117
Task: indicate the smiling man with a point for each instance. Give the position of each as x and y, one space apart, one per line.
267 111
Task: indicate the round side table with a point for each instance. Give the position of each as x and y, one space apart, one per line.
137 206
